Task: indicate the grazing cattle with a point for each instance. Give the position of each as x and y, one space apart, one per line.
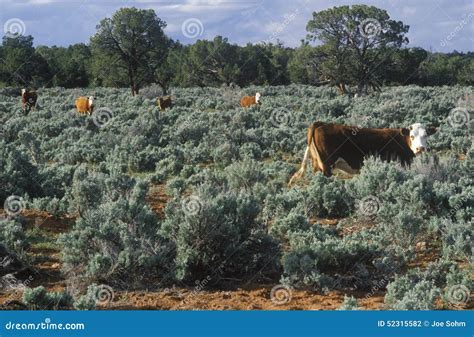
247 101
344 147
85 105
164 102
28 100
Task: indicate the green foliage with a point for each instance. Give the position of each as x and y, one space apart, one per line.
318 258
237 162
12 235
133 38
328 197
284 225
217 234
13 246
418 290
88 301
14 70
116 236
17 174
350 303
69 66
40 299
358 55
120 54
418 296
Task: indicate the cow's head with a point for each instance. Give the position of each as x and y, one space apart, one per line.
257 98
91 100
416 135
23 92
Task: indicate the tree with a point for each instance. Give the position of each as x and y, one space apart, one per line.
21 64
357 41
70 67
171 68
305 65
405 66
264 63
447 69
211 63
132 40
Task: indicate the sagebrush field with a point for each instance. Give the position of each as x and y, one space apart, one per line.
190 209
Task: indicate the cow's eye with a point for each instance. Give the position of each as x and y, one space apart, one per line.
412 137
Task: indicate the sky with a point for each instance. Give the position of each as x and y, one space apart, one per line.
436 25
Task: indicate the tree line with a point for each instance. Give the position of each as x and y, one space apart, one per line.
359 50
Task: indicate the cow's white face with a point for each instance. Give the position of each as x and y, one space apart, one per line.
23 91
91 100
418 136
257 97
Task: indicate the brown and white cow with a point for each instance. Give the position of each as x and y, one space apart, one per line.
85 105
248 101
164 102
28 100
344 147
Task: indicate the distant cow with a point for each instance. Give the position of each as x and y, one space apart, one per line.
344 147
28 100
85 104
247 101
164 102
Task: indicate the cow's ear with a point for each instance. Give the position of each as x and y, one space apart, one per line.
405 132
430 130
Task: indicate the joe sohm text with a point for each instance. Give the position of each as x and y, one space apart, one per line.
419 324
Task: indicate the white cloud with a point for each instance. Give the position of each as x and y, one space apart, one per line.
63 22
409 11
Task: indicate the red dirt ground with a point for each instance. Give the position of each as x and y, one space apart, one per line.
252 297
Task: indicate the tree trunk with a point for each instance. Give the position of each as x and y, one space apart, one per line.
131 80
362 89
131 76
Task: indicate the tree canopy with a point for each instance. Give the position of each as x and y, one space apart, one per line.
357 44
135 42
359 48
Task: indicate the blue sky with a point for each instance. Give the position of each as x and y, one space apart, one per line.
439 25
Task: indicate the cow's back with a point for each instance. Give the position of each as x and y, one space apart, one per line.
247 101
353 144
82 104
